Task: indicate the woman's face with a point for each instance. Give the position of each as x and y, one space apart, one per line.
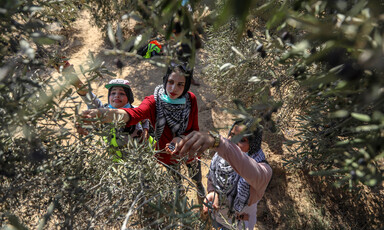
118 98
175 85
244 142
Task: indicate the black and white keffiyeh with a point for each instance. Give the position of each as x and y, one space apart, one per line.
230 184
175 115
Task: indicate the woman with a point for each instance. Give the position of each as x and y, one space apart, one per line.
173 110
238 175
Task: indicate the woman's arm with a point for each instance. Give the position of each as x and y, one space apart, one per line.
104 116
256 174
146 110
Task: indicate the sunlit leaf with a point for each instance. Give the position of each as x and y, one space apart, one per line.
119 34
25 47
237 52
339 114
227 66
138 40
111 35
361 117
254 79
368 128
372 182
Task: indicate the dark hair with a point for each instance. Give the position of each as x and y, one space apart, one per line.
188 74
254 135
127 91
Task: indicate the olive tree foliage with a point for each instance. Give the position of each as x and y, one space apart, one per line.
152 20
24 26
337 59
323 59
50 177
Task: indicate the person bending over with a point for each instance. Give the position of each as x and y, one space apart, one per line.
238 174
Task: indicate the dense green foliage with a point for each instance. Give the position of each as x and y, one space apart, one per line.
337 59
318 62
322 59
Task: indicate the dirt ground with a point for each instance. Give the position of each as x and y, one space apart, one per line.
287 197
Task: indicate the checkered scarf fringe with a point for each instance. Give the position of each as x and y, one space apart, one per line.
175 115
226 180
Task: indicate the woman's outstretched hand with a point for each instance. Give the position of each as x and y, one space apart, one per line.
194 144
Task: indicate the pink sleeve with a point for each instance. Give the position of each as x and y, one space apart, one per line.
256 174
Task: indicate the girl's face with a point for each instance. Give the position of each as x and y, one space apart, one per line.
244 142
118 98
175 85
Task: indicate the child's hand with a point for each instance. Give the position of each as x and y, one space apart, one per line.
211 201
145 134
81 130
90 116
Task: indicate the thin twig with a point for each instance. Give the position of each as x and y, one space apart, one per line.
131 210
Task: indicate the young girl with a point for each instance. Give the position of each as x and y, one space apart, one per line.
173 111
119 96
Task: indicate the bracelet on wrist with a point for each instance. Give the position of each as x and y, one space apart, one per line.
216 136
